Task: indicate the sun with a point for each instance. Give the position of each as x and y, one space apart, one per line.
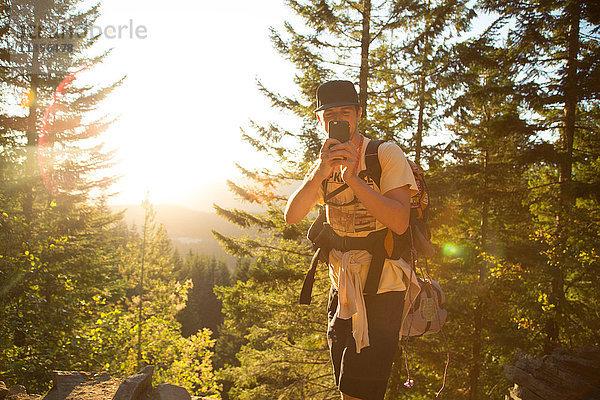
168 168
179 126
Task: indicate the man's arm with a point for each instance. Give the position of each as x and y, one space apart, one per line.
392 209
304 199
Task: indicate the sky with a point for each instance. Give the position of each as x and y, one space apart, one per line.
191 84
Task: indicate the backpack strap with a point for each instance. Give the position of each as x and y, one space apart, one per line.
373 167
324 239
328 196
309 279
372 161
318 236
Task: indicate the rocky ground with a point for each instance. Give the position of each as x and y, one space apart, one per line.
17 392
70 385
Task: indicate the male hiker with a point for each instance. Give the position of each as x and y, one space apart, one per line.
365 220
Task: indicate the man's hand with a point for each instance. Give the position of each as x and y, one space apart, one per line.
328 160
335 154
304 199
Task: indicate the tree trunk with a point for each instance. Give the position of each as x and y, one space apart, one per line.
475 368
421 87
565 200
365 41
31 131
419 134
573 11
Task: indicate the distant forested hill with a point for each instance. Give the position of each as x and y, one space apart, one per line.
188 229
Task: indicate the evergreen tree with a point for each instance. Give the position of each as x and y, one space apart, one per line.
140 327
482 193
518 254
203 308
353 39
347 38
56 250
280 349
553 50
412 82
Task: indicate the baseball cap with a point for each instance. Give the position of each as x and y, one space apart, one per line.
336 93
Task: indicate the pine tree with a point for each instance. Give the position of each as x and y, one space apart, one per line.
56 250
412 81
141 319
548 46
203 308
509 190
279 347
494 201
484 190
349 39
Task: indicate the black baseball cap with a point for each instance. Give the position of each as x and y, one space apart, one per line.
336 94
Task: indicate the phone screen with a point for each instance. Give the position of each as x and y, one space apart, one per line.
339 130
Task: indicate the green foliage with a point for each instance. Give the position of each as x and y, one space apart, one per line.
280 349
177 360
70 290
57 241
203 309
513 180
48 288
122 343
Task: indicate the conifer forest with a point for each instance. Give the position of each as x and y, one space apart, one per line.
498 101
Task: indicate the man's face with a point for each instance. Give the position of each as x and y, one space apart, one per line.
348 113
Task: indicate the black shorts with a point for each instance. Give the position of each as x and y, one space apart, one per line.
364 375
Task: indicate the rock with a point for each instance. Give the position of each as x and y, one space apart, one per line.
169 392
84 386
63 383
559 376
99 388
17 389
3 390
70 385
136 386
17 392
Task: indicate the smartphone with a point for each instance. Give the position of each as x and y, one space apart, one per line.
339 130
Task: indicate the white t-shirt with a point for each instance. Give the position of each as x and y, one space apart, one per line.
355 220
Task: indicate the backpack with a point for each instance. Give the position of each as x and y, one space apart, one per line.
419 202
427 314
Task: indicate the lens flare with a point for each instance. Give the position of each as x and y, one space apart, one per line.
45 141
27 99
452 250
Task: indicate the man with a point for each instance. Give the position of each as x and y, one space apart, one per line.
363 330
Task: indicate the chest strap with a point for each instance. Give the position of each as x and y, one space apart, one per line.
324 239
